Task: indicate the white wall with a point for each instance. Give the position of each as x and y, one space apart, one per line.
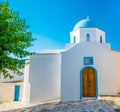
75 34
45 70
117 55
26 84
98 34
72 63
16 77
91 31
80 35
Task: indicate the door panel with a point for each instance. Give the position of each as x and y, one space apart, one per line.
88 83
16 93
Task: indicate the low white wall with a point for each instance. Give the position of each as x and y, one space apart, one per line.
72 63
117 55
45 70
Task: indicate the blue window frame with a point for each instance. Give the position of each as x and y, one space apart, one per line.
87 37
100 39
88 60
74 39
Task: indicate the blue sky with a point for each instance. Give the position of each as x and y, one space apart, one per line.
52 20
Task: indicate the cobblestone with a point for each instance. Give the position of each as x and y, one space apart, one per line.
106 104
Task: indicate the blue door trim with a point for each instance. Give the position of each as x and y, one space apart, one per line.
16 93
96 77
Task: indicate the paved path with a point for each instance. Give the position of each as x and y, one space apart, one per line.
113 101
106 104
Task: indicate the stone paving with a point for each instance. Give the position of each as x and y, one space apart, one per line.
105 104
113 101
71 106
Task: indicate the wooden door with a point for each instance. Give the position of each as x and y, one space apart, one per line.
88 83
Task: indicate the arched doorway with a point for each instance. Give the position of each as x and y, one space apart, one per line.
88 83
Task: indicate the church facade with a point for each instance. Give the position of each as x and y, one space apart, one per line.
86 68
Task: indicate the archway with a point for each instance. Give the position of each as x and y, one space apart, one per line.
88 82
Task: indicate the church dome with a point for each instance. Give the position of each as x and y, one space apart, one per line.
85 23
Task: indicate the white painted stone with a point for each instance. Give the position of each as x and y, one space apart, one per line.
26 84
45 71
55 74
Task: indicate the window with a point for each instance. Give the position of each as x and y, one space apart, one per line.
74 39
100 39
88 60
87 37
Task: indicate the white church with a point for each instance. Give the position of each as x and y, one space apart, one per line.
86 68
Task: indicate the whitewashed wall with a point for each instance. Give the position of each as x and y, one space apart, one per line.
44 73
72 63
80 35
76 34
117 55
98 34
16 77
26 84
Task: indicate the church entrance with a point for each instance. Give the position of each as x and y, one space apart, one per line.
88 83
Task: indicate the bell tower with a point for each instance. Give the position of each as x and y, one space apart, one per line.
86 30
